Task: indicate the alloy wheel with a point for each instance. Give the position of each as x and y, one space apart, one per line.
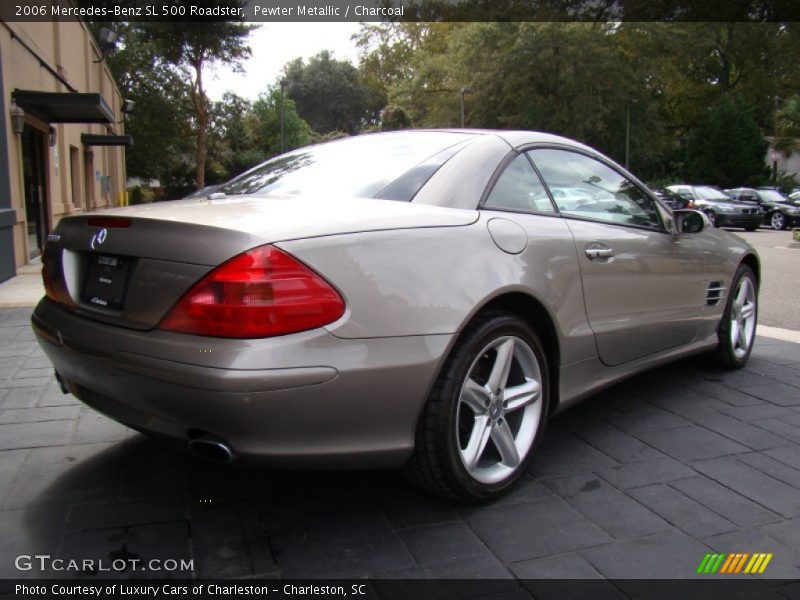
712 218
743 318
778 220
499 409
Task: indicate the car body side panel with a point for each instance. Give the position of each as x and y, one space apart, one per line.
432 281
648 296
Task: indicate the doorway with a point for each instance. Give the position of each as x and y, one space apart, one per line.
34 146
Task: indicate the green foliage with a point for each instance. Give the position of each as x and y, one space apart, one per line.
267 115
330 95
189 47
727 148
583 79
394 117
786 182
160 123
787 126
140 195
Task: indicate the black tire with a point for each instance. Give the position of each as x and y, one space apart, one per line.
751 228
436 465
725 354
777 221
712 218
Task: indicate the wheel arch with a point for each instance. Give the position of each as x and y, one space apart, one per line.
531 310
751 260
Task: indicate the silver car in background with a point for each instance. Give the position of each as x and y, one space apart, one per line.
418 299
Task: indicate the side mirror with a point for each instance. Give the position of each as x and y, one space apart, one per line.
688 221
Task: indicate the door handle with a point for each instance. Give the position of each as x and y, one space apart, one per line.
594 252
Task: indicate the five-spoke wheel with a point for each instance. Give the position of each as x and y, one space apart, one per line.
499 409
485 413
738 326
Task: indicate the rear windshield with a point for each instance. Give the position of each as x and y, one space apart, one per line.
772 196
392 166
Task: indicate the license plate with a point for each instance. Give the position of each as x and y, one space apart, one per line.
106 281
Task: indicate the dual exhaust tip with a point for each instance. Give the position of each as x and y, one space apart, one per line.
203 445
212 448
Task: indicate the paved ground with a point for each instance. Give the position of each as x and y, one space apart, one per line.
641 481
780 285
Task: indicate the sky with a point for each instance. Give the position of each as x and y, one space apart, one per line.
275 44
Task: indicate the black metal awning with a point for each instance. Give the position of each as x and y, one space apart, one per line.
66 107
88 139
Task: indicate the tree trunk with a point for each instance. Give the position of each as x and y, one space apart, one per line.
201 109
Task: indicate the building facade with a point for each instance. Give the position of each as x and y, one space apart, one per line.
61 136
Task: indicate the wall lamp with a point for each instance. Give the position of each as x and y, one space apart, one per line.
17 118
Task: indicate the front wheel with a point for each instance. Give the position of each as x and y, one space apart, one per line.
485 413
777 221
737 331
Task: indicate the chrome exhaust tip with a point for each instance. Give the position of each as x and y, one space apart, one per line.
212 449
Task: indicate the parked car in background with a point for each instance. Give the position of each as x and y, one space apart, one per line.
415 299
721 209
780 211
671 199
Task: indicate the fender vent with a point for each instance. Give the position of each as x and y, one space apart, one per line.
715 293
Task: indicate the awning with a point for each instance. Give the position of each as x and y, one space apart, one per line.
66 107
88 139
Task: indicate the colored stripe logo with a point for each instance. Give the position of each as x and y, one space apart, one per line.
738 562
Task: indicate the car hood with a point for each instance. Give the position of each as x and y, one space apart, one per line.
277 218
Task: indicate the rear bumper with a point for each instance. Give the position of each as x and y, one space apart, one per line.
304 400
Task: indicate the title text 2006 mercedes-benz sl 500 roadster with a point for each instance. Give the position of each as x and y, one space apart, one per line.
416 299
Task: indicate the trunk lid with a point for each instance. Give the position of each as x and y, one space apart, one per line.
129 266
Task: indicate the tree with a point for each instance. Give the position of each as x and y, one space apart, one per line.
190 47
727 149
160 123
330 95
394 117
234 141
267 115
787 126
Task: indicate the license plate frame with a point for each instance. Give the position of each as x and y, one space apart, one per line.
106 282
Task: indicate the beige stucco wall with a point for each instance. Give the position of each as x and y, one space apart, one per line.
67 47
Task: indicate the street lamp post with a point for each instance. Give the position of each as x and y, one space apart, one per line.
283 115
628 131
464 90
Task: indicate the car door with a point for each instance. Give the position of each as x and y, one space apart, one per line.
644 288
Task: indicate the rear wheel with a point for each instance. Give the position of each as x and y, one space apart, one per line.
777 220
485 413
737 331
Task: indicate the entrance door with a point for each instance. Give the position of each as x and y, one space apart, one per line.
35 183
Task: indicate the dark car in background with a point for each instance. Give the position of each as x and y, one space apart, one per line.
721 209
780 211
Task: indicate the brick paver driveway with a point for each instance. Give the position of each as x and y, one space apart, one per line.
639 481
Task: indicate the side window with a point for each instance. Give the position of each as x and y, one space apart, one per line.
519 188
584 187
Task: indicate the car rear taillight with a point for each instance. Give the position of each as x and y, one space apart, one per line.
260 293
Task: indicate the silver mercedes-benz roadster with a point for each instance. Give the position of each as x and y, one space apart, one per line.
416 299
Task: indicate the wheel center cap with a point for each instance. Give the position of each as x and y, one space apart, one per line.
496 410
